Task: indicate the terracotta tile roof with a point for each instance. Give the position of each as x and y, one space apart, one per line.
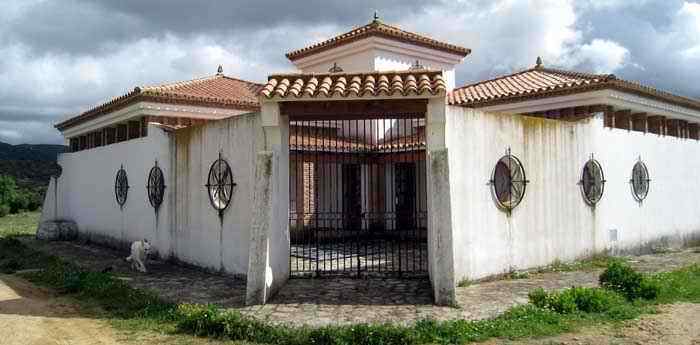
378 29
331 143
403 83
213 91
540 82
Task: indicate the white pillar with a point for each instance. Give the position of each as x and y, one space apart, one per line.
268 263
440 245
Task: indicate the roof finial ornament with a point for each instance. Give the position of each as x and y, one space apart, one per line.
416 66
538 63
220 70
376 17
335 68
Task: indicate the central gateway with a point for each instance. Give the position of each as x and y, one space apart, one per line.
357 189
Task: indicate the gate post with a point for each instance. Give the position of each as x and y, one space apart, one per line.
440 245
268 257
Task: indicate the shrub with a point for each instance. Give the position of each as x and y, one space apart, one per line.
4 210
622 278
200 320
588 300
560 302
649 289
594 300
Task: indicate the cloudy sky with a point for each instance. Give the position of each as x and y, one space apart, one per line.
58 58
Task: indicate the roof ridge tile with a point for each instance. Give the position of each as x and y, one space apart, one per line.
376 28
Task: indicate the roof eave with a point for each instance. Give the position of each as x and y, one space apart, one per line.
77 120
615 84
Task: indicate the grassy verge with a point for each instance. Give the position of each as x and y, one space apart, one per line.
598 261
19 224
548 314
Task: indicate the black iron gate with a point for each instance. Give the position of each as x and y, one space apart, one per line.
358 197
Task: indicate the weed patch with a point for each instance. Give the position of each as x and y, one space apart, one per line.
622 278
548 313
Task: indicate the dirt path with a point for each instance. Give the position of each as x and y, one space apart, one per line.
31 315
675 324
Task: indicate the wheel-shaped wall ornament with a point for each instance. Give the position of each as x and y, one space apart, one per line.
121 186
592 182
220 185
508 182
155 186
639 183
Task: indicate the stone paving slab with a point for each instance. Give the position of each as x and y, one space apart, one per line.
343 301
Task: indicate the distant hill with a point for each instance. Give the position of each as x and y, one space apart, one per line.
30 165
27 152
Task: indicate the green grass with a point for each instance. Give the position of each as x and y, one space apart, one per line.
19 224
139 310
596 261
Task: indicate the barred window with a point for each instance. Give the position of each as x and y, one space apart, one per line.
155 187
640 181
508 182
220 185
121 186
592 182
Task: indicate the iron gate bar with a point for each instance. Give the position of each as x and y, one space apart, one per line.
358 197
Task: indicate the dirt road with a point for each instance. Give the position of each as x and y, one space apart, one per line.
30 315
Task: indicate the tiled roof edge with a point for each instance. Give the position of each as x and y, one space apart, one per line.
155 94
377 28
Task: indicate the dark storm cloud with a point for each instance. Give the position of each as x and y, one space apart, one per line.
82 26
58 58
656 35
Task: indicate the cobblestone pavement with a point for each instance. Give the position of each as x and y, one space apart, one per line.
342 301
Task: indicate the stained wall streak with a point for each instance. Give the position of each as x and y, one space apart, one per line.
553 221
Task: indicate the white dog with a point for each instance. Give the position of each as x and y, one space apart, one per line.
139 254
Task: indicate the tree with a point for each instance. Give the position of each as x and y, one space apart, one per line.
8 189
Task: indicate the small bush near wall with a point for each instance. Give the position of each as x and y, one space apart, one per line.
587 300
622 278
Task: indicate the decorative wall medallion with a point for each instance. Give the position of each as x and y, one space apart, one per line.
155 186
508 182
220 185
640 181
592 182
121 186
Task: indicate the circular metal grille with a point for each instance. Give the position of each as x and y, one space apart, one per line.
592 182
220 184
121 186
155 186
508 182
640 181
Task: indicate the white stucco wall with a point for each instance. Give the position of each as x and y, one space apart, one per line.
201 237
553 222
85 191
186 226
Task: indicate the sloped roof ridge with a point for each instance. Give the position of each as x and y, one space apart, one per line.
572 74
376 26
167 90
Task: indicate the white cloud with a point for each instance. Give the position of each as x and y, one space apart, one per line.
8 135
603 56
504 35
655 42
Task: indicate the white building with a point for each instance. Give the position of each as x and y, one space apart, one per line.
370 162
